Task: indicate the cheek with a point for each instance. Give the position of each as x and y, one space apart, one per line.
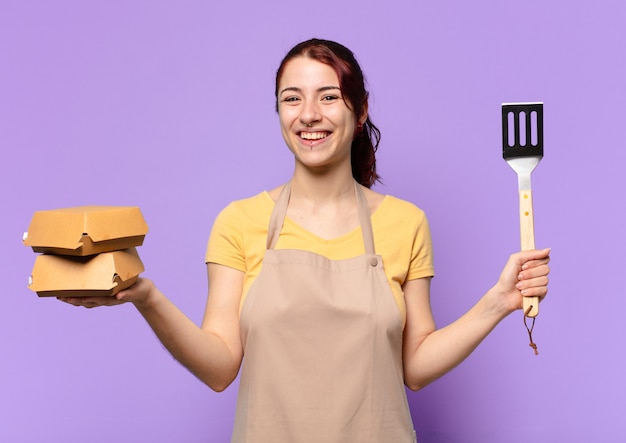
348 121
284 124
286 117
287 133
350 125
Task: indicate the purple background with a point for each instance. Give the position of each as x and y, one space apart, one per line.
169 106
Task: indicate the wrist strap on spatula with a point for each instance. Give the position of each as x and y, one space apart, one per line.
530 330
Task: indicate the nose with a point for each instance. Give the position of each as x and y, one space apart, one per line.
310 112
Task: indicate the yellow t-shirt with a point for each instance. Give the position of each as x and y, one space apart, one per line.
401 236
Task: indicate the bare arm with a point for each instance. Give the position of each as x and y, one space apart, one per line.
213 351
429 353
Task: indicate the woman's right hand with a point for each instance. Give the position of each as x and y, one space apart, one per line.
139 293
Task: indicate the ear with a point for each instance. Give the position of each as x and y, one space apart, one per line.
363 117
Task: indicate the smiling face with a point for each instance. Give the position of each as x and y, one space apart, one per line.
316 123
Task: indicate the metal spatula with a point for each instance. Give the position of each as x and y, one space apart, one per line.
522 148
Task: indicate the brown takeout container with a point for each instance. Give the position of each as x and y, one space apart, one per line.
104 274
86 230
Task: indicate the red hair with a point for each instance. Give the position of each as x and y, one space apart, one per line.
352 85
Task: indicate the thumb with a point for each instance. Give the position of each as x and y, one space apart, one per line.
136 292
533 254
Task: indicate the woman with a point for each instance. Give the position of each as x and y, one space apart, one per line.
323 284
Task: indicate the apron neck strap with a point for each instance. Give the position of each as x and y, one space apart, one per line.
278 216
365 218
280 210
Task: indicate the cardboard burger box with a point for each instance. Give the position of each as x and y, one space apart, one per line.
104 274
86 230
86 250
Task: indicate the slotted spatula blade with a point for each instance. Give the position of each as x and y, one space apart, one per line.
522 148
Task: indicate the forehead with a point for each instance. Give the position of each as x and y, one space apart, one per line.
304 71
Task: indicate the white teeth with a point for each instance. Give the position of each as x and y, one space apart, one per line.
313 135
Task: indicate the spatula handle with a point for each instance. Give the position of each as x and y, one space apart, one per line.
527 234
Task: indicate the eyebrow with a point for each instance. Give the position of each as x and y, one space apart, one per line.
296 89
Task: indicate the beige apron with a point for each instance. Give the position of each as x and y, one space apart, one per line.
322 346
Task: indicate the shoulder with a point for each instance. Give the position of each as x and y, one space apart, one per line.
398 219
273 194
258 204
374 199
402 210
239 223
245 216
388 202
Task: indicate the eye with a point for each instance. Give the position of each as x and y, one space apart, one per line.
330 98
290 99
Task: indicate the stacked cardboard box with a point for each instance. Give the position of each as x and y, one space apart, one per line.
85 250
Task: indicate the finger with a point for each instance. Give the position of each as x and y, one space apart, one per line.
533 272
90 302
125 295
535 263
101 301
535 287
131 293
534 254
68 300
537 291
74 301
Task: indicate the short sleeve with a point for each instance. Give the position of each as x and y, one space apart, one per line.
421 264
225 245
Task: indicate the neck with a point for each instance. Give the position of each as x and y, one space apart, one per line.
322 186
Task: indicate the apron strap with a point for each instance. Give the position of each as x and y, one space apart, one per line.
365 218
280 210
278 216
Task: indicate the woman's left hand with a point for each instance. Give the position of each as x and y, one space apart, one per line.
524 275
